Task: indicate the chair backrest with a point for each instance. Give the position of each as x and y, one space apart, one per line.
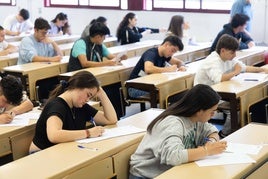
258 111
174 97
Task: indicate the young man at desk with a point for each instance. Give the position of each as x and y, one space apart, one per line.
13 101
221 66
236 28
38 47
5 48
158 60
90 51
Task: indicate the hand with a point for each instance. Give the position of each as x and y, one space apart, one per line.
96 131
123 57
172 68
55 58
6 118
182 68
214 148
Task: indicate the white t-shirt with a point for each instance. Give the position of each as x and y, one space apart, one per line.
12 24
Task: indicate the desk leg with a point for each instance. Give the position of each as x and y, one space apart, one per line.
234 114
153 98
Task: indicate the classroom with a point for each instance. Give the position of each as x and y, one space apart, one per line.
133 89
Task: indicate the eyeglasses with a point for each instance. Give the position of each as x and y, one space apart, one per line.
43 32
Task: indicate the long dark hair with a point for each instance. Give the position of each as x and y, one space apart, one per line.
200 97
175 25
124 23
80 80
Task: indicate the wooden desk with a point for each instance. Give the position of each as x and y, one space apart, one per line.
245 135
16 140
108 74
65 38
243 93
36 71
135 49
252 56
8 60
69 161
110 41
161 85
193 53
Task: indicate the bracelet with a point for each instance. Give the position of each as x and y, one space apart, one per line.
87 133
206 150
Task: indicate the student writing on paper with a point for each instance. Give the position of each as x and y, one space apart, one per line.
64 117
90 51
221 66
5 47
179 135
13 100
155 60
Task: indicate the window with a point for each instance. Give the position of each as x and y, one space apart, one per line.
105 4
189 5
8 2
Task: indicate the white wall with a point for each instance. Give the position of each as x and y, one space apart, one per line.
204 26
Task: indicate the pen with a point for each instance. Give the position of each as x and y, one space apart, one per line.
207 139
92 120
251 80
88 148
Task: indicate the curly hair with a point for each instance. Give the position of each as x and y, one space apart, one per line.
11 87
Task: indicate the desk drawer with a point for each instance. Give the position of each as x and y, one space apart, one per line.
5 148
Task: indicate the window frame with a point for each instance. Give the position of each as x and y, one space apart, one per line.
8 4
81 6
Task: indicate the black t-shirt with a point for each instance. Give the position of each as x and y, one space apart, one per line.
73 119
152 56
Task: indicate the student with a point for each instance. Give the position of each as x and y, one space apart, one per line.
221 66
236 28
57 24
100 19
243 7
177 26
179 135
89 51
5 48
158 60
13 100
64 117
127 32
38 47
16 24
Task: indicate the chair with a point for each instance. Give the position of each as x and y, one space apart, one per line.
258 111
172 98
125 99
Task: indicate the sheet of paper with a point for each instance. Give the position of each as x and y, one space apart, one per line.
23 119
114 132
251 76
243 148
225 159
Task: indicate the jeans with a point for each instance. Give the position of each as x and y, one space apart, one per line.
134 93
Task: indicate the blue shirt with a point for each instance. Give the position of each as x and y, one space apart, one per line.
29 48
242 7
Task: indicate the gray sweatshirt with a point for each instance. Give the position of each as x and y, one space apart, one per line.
167 145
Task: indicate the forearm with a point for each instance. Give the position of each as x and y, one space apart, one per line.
108 110
56 48
197 153
25 106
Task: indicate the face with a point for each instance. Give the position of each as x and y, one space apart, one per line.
227 54
169 50
99 39
205 115
2 35
3 101
40 34
82 96
20 19
133 21
60 23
